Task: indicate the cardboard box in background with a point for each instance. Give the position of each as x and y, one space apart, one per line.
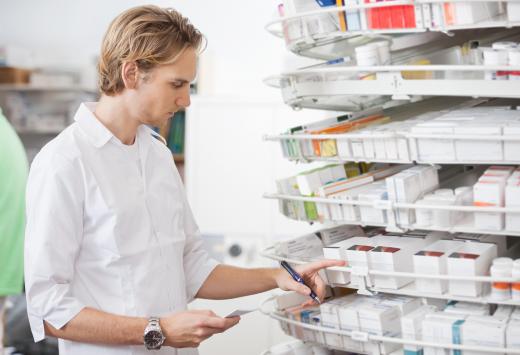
12 75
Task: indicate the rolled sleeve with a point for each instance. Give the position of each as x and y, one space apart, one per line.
53 239
197 262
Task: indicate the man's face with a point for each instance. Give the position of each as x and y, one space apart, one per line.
163 90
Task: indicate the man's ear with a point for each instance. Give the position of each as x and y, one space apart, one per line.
130 74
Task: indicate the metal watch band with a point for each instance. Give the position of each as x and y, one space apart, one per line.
154 322
153 326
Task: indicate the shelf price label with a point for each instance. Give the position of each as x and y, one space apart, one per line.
359 336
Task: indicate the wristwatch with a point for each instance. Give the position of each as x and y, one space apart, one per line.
153 335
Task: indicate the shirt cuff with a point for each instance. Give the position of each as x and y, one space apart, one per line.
197 279
59 317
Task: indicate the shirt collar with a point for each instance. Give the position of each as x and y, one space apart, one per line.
99 135
96 132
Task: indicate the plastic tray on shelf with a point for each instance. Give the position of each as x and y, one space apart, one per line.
316 87
391 209
331 30
320 332
408 147
409 289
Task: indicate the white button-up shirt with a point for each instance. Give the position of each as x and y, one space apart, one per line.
103 233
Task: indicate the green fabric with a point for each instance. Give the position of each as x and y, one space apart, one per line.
13 177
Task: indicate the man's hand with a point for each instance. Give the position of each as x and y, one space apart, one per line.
188 329
309 273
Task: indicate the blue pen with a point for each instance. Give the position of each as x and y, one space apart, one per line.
299 279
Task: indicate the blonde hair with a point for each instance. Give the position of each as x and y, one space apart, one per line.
147 35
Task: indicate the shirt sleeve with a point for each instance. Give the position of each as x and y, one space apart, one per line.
53 238
197 262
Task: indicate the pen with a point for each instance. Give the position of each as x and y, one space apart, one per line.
299 279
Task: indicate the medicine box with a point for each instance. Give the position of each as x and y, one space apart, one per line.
337 252
432 261
381 320
473 259
513 334
483 331
395 254
411 327
442 328
478 150
498 240
404 304
372 193
357 258
512 200
489 192
466 308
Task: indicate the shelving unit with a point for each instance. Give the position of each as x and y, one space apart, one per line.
347 87
408 290
173 133
464 226
368 338
323 44
40 112
339 88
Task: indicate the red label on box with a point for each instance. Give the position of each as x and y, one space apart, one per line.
464 256
430 253
386 249
361 247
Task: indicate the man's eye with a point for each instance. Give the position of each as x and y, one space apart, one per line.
178 85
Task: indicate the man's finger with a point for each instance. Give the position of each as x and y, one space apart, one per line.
320 287
214 322
318 265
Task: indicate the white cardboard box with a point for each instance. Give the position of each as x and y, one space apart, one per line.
431 260
483 331
513 334
512 199
395 254
473 259
489 192
411 326
443 329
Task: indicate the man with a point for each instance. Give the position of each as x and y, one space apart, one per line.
13 175
112 249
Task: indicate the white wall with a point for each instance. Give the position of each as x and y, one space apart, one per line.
64 33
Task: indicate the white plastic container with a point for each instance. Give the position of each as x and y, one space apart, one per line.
367 55
495 57
515 291
501 267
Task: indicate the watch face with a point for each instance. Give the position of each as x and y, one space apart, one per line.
153 339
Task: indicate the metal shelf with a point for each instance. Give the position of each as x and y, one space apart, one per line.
365 337
407 290
391 208
338 88
314 44
411 139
